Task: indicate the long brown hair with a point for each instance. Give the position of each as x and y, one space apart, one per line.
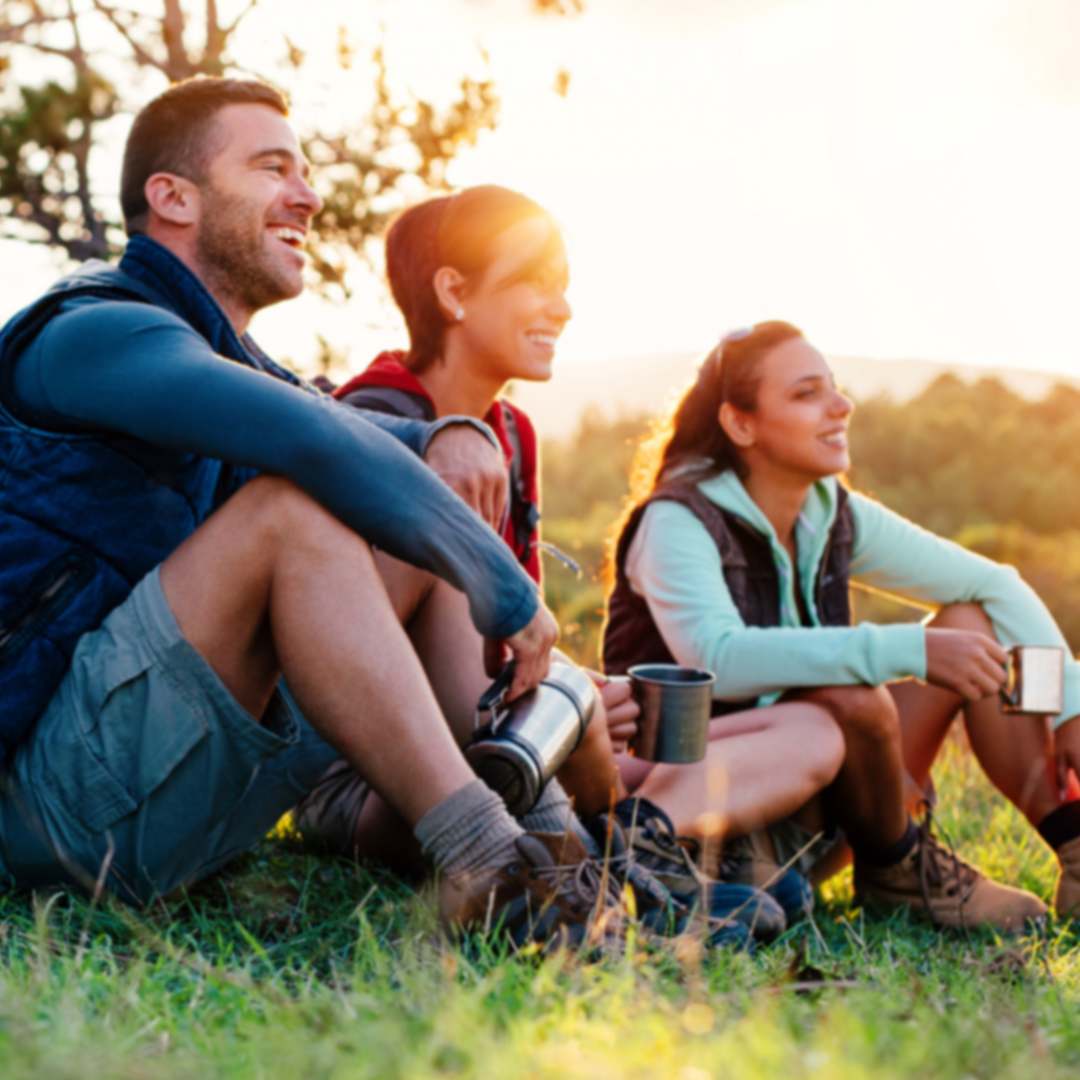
687 437
459 231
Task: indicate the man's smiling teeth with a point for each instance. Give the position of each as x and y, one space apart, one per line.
542 338
837 438
292 237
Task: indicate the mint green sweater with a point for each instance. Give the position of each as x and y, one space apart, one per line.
675 565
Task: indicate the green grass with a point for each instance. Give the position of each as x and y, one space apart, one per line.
293 966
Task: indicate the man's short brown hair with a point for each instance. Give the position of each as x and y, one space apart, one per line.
174 134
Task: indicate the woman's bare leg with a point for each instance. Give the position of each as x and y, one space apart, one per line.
760 766
591 775
1015 751
867 797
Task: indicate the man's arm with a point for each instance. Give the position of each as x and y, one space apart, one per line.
140 371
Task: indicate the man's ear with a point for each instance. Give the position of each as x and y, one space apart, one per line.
737 425
173 199
449 285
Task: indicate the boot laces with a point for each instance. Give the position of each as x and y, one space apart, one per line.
578 883
655 828
939 865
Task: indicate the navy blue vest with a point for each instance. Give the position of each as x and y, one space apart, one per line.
85 515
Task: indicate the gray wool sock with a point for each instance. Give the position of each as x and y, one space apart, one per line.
553 814
469 830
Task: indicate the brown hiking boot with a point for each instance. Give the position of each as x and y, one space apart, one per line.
934 882
1067 894
554 894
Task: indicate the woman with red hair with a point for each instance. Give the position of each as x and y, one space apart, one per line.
481 279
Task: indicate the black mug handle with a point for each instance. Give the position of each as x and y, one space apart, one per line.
496 693
1010 692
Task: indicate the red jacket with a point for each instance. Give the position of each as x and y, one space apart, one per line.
520 529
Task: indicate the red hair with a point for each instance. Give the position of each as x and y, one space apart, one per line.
458 231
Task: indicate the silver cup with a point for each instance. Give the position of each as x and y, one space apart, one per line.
676 703
1035 680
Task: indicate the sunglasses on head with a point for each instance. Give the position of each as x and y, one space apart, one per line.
737 335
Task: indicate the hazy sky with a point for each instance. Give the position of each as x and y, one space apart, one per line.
900 179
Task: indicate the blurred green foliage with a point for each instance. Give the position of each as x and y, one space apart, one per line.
584 484
960 455
976 463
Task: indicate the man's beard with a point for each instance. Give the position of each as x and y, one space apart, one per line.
232 254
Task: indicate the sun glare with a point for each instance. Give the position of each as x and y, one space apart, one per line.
898 178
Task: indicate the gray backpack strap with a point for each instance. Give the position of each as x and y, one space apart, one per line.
388 399
516 481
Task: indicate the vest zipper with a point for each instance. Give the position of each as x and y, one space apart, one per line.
49 594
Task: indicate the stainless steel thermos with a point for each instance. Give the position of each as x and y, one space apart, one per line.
518 747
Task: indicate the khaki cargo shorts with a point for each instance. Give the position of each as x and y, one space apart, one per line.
143 770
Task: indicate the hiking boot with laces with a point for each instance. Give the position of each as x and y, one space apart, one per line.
660 911
553 894
653 847
933 881
751 860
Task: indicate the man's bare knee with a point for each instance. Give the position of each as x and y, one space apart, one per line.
282 515
970 617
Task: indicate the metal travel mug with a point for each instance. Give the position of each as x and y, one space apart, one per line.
676 703
518 747
1035 680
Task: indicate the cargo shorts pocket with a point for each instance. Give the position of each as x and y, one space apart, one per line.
121 751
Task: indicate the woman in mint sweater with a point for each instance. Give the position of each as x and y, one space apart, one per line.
737 555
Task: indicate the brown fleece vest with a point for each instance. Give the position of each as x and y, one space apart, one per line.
630 634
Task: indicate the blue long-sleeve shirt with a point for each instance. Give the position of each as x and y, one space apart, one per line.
141 371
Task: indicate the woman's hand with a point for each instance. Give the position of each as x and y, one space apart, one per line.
970 664
620 707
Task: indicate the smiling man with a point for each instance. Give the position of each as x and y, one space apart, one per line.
185 523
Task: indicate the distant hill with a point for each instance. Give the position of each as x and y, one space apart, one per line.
643 383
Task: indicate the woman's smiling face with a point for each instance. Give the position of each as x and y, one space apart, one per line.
516 310
800 423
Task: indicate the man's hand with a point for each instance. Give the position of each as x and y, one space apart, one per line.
972 665
471 466
531 649
1067 753
621 709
